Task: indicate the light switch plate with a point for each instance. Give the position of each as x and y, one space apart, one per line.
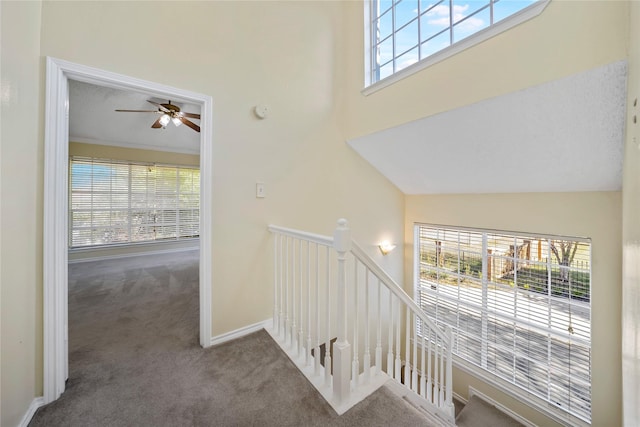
260 191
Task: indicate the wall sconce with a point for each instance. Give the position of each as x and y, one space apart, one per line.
386 247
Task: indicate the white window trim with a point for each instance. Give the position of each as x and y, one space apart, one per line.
514 20
55 235
525 398
146 243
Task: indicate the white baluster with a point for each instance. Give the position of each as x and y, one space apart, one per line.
429 363
449 404
308 349
342 350
316 352
414 373
436 376
379 332
390 346
275 283
300 306
442 374
287 323
292 331
327 353
281 284
398 370
355 365
367 322
423 383
407 350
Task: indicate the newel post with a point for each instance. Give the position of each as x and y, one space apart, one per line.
342 348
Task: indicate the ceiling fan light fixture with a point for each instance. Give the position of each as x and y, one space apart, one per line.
164 120
176 121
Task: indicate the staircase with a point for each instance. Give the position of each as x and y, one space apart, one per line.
327 288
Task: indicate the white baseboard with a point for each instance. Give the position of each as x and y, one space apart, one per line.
35 404
500 407
460 398
129 255
246 330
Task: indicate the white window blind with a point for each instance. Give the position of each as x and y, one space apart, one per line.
113 202
519 306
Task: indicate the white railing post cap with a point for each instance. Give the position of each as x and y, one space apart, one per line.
342 236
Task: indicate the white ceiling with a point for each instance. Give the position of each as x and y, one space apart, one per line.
93 119
566 135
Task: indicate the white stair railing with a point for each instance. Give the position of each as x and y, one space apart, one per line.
336 313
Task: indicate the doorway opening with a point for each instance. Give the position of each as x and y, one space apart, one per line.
56 206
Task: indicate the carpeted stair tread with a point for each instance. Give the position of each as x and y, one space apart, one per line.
478 413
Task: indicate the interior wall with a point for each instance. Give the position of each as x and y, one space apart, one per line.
589 214
566 38
631 233
21 154
283 54
559 42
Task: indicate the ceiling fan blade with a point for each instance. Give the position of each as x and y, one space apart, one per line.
190 115
139 111
160 106
190 124
157 124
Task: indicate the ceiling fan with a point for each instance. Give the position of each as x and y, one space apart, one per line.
169 112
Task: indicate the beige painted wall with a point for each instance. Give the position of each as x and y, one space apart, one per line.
560 42
284 54
568 37
595 215
631 233
21 219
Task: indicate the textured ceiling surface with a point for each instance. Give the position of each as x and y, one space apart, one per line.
93 119
565 135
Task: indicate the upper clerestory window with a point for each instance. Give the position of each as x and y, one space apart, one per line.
404 36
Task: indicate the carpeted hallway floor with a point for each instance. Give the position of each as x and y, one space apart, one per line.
135 360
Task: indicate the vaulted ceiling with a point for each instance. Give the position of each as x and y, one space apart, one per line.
93 119
565 135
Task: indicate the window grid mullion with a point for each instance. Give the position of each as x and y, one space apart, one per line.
450 22
485 309
393 34
433 15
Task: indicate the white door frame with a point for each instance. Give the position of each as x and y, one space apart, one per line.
55 237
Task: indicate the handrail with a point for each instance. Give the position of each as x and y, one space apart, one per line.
305 319
298 234
391 284
365 259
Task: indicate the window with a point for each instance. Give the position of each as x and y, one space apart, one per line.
114 202
404 32
518 304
